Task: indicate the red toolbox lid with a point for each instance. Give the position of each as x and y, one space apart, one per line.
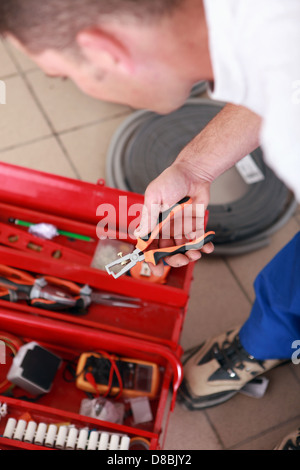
149 333
72 205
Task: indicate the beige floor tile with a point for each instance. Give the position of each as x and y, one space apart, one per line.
297 215
246 267
296 367
87 147
216 302
298 209
190 431
43 155
7 66
242 417
20 120
270 439
66 106
20 58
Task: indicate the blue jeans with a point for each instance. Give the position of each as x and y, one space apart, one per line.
274 321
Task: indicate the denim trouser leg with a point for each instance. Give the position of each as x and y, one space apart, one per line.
274 322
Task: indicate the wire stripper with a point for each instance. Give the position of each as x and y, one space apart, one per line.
141 252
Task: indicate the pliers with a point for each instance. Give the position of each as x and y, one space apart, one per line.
42 292
52 293
141 252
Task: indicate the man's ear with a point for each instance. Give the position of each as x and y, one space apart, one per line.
104 50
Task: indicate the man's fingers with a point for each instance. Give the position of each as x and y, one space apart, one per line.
208 248
177 261
193 255
180 260
147 223
157 270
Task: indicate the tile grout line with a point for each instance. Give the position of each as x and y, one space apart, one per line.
296 219
54 133
61 133
22 74
263 433
225 259
292 371
118 114
10 75
214 429
25 143
91 123
127 111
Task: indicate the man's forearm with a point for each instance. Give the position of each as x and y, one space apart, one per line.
229 137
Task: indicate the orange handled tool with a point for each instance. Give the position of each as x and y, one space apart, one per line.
154 256
164 217
52 293
8 294
16 285
16 280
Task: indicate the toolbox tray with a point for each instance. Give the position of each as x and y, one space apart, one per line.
62 403
151 333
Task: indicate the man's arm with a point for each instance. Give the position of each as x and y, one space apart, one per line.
229 137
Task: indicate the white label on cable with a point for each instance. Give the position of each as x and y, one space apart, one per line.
145 270
249 170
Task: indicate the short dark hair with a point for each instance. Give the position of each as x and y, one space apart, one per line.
44 24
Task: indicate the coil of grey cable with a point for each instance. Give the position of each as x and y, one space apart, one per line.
147 143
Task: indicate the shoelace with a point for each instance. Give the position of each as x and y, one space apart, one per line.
231 355
290 445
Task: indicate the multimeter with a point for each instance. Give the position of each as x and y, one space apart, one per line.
139 378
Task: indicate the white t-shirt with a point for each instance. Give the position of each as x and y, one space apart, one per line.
255 53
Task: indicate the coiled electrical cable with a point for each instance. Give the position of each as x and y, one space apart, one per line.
147 143
199 88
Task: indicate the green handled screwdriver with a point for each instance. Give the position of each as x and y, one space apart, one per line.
77 236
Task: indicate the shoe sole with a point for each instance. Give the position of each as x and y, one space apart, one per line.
194 404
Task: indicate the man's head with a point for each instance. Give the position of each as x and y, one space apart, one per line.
137 52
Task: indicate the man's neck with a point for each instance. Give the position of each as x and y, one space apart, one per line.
192 29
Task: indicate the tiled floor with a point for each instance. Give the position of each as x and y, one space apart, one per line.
47 124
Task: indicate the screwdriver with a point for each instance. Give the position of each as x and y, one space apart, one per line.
24 223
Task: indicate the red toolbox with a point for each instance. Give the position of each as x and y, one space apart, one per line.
150 333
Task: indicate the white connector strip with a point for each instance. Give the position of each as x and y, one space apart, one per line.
64 437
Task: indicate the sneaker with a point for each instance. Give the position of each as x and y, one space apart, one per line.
290 442
217 370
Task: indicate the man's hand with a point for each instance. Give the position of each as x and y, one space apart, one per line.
230 136
175 183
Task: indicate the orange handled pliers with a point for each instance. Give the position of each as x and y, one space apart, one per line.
141 252
52 293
